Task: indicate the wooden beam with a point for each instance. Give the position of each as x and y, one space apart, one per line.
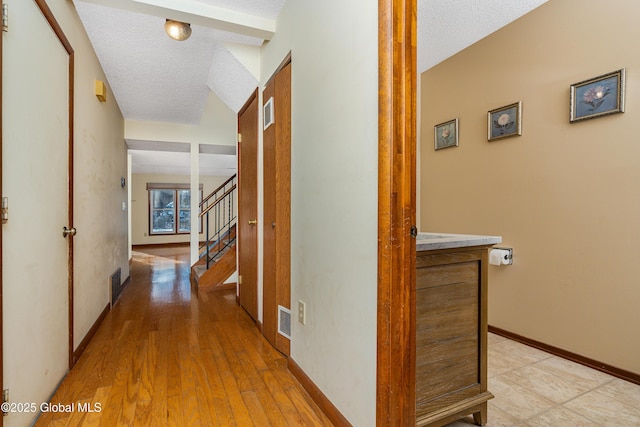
396 213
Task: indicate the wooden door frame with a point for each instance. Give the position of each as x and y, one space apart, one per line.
57 29
395 389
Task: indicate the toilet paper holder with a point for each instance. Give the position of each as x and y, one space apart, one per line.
508 258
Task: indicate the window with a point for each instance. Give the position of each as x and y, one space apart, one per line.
170 209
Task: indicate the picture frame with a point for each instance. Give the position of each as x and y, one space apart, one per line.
598 96
268 114
445 134
504 122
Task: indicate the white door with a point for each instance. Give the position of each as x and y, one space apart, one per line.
35 138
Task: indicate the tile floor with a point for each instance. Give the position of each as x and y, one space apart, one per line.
536 389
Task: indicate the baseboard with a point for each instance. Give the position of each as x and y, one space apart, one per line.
334 415
87 338
556 351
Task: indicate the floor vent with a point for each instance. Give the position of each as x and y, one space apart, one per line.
284 321
116 286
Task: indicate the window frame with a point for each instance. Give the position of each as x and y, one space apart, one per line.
176 188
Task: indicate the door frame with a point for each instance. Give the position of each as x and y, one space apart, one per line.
396 378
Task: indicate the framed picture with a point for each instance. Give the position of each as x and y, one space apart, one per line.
505 121
268 113
446 134
598 96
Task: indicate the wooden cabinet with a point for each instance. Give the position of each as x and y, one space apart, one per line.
451 335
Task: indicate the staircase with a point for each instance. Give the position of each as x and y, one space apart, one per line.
218 252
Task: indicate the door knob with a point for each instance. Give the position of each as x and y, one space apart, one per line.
253 221
68 231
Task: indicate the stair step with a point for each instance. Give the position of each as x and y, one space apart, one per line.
199 270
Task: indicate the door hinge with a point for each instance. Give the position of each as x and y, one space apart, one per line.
414 231
5 399
5 17
5 210
239 137
239 280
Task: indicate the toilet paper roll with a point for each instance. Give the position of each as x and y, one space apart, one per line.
499 257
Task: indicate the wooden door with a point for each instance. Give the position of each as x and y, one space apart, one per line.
248 205
277 211
37 176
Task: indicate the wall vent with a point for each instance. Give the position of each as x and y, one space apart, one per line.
284 321
116 286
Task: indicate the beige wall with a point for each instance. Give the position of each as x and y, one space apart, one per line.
334 179
564 196
140 206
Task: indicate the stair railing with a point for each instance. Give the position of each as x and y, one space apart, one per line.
219 206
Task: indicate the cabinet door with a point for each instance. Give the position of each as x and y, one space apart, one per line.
448 330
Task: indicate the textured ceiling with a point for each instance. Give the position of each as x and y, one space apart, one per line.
154 78
229 79
445 27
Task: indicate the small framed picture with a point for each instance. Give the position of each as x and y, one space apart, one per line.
597 97
505 121
268 113
446 134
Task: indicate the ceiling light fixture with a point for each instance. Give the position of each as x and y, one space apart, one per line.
177 30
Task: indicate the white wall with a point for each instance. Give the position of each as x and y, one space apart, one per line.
334 180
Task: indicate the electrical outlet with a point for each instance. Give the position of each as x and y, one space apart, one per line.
302 312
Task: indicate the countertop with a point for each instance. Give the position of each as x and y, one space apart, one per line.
433 241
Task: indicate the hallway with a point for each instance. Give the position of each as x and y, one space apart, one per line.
165 355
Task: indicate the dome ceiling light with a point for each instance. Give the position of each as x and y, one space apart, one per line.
177 30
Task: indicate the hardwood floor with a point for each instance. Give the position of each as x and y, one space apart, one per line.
168 356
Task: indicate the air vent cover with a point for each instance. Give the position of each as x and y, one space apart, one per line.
116 286
284 321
